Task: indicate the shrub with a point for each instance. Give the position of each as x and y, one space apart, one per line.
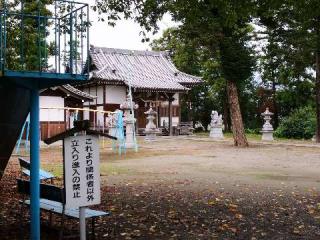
253 131
300 124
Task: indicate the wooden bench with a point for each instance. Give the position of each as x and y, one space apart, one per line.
52 200
185 128
25 169
164 131
141 132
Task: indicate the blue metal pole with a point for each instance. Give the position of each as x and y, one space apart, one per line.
20 137
27 135
35 165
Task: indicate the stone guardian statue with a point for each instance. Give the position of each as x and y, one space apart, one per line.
216 126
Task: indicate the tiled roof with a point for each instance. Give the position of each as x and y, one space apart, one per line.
144 70
76 92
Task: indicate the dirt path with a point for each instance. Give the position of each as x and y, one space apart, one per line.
199 189
206 163
194 188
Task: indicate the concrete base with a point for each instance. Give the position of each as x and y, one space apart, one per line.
267 136
130 141
130 145
150 137
216 133
43 145
113 131
130 138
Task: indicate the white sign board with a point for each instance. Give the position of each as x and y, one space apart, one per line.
82 171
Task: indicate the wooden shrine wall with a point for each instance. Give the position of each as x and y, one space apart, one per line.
49 129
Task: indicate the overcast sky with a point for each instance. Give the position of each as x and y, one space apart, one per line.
124 35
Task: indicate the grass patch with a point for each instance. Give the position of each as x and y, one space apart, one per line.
110 169
250 136
105 169
131 154
202 134
228 135
271 176
55 169
257 137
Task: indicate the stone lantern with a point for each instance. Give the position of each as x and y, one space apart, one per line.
129 121
151 128
111 121
216 125
267 129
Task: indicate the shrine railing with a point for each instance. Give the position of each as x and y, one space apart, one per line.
44 36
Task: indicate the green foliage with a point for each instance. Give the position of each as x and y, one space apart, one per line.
212 25
301 124
295 95
253 131
236 59
26 35
189 58
212 40
216 29
292 29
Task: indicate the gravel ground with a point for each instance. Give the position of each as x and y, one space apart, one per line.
194 188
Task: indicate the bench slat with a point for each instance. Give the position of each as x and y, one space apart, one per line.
47 191
26 165
43 175
56 207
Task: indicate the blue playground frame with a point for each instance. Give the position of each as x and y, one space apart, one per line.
39 48
60 47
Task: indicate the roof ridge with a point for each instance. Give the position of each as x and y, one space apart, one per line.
77 91
96 49
142 69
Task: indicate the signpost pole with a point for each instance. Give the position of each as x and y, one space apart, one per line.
34 166
82 217
81 171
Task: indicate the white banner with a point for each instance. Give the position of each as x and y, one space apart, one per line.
82 171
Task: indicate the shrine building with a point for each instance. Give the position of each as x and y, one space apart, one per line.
152 77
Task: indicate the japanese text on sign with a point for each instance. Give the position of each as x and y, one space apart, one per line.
82 171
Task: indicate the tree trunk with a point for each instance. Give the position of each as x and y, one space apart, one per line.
318 95
318 81
236 118
189 107
226 118
275 105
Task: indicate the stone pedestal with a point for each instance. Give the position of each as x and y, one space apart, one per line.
267 136
151 128
150 136
112 124
112 131
216 126
130 134
216 132
267 129
129 122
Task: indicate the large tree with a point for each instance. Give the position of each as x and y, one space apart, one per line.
199 102
221 26
294 28
188 57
